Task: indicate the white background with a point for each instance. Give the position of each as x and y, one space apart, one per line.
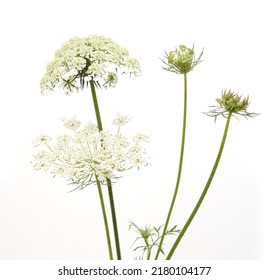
39 219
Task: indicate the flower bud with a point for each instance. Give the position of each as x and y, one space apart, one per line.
182 48
182 60
231 103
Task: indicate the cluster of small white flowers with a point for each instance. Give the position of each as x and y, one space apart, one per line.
72 123
121 120
80 60
42 139
86 154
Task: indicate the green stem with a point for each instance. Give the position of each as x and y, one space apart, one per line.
179 167
105 218
148 249
114 218
96 106
198 204
109 184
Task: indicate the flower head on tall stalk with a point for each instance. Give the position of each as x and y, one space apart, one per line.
81 60
182 60
88 154
95 61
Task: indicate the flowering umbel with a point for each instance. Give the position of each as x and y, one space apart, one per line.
88 154
182 60
80 60
232 103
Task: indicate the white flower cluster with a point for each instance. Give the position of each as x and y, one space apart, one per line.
87 154
81 60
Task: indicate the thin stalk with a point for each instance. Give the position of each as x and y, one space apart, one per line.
109 184
179 167
105 218
198 204
114 218
96 106
148 249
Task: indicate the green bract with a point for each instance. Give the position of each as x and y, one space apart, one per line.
80 60
151 238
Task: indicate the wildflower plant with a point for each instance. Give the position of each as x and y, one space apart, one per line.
89 155
181 61
93 61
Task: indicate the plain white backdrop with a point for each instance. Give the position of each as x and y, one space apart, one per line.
39 219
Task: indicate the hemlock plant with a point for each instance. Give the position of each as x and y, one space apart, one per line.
89 155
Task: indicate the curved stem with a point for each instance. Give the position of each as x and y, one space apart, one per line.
179 167
109 184
104 217
198 204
